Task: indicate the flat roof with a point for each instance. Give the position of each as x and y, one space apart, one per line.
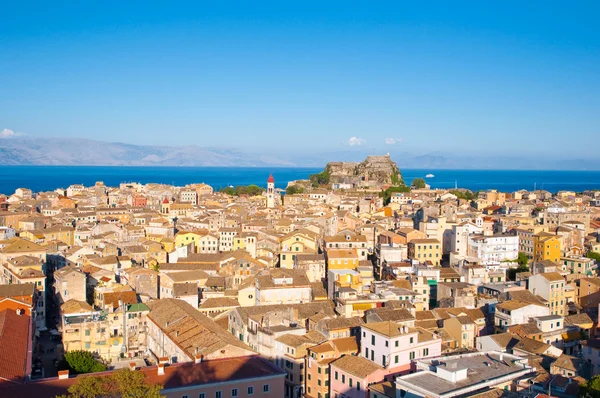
482 368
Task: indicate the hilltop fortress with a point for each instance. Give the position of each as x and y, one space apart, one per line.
374 171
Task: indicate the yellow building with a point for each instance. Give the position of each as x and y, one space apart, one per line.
184 238
297 242
546 247
342 259
424 250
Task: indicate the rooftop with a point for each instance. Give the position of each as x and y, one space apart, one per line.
461 374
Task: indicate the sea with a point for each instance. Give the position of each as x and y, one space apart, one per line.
48 178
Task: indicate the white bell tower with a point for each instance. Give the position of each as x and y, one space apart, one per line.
271 192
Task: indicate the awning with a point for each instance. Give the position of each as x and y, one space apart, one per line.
571 336
363 306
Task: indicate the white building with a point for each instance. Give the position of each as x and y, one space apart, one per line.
460 237
514 312
394 346
463 375
189 196
494 249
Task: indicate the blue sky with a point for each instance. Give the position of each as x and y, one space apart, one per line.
507 77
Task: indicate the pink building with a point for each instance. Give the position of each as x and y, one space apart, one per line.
395 347
350 377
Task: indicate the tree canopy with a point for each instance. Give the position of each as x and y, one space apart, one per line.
81 362
418 183
294 189
321 178
591 388
387 194
467 195
523 262
594 256
123 383
251 190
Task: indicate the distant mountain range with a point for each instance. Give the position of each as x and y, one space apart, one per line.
80 152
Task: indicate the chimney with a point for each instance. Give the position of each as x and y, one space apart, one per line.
163 360
63 374
132 366
198 358
161 369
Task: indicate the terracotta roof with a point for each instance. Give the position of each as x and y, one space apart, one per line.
217 302
14 339
176 376
17 289
113 298
357 366
189 329
553 276
75 307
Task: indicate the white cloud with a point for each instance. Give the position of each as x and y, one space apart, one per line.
355 141
6 133
393 141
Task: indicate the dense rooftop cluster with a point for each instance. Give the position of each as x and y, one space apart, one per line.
331 292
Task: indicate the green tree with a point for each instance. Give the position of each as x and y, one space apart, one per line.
522 260
463 194
82 362
321 178
123 383
387 194
418 183
590 388
594 256
293 190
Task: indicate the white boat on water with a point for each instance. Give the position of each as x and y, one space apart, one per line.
429 176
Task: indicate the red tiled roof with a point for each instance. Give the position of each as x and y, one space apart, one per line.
271 179
14 336
176 376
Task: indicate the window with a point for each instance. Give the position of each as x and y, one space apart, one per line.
358 385
396 359
250 390
218 394
184 396
426 352
387 343
234 392
87 332
265 388
336 375
202 395
350 382
372 339
397 343
87 345
411 355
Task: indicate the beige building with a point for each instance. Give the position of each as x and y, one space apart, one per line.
551 287
69 284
